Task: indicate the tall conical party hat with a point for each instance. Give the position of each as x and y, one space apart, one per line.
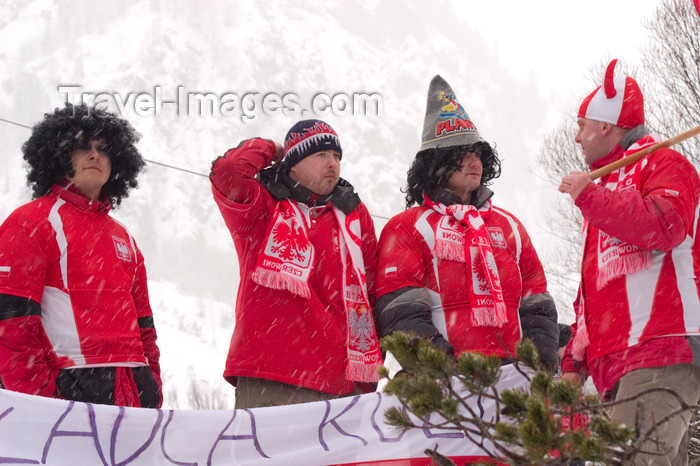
446 123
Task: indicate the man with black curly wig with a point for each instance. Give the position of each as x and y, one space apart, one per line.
457 269
75 318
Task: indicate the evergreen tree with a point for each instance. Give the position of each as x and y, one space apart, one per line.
527 427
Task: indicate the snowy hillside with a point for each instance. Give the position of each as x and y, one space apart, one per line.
389 48
194 333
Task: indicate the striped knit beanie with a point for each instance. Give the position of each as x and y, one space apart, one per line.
308 137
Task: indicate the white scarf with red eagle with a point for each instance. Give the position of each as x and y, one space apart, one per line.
285 263
615 257
461 233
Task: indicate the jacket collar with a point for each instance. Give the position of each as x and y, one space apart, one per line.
69 193
281 186
442 195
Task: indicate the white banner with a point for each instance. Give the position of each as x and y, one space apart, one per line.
37 430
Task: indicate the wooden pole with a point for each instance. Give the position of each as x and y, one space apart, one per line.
611 167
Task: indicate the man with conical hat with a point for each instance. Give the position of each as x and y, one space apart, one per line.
455 268
638 309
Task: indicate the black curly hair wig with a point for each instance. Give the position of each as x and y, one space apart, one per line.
432 167
48 150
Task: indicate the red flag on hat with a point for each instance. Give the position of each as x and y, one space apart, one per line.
697 6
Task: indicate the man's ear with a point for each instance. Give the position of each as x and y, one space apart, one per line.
606 128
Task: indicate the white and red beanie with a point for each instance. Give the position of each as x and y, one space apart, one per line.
446 122
308 137
618 101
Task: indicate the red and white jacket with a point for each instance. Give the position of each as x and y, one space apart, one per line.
279 335
638 319
420 292
73 293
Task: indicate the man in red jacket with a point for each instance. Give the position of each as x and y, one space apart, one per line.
455 268
307 250
638 312
75 319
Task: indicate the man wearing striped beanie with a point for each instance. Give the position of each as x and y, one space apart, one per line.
307 254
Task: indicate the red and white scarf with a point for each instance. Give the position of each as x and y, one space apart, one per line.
461 233
615 258
286 261
581 340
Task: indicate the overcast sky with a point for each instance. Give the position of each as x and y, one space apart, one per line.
557 41
552 45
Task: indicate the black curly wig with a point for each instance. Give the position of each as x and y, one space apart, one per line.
48 150
432 167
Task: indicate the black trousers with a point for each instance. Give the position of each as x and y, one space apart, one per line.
98 385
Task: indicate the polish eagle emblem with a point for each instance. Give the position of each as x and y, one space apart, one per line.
290 242
360 329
